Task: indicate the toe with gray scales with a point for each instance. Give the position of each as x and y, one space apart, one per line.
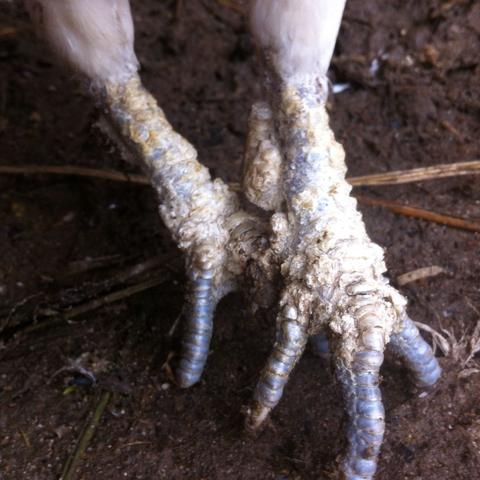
288 349
366 414
199 328
417 354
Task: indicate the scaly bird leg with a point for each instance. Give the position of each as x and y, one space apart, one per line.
332 271
333 277
193 207
95 38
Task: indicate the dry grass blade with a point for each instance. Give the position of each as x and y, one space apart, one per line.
421 213
437 338
418 174
404 176
461 349
419 274
388 178
464 349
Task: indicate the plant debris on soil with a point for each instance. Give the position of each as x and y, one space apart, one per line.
410 75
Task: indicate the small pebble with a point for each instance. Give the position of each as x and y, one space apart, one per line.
68 217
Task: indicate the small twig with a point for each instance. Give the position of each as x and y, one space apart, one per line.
77 295
114 297
77 171
421 213
419 274
417 174
126 274
5 322
88 264
97 303
7 31
85 437
139 268
389 178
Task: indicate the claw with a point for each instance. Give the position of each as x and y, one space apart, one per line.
256 416
290 344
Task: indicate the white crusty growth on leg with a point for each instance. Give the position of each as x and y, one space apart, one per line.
262 161
94 37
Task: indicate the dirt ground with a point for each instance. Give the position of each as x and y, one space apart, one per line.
413 70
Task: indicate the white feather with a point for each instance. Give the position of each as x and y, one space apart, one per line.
298 35
94 37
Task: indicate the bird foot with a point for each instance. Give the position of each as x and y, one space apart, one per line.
333 277
314 244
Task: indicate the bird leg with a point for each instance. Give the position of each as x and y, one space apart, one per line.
332 272
192 206
95 38
333 279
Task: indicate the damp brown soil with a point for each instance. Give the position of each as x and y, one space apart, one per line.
412 74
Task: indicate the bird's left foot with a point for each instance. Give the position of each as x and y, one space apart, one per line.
333 277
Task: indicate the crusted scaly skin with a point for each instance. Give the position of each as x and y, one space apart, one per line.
189 198
262 161
333 277
192 206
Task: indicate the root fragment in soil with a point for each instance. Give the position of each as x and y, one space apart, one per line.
97 303
421 213
85 437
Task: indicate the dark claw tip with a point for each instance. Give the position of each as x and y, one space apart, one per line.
255 417
186 379
428 384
